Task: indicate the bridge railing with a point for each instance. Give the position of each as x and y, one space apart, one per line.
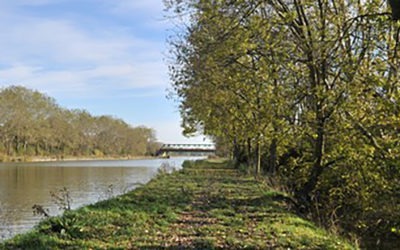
187 148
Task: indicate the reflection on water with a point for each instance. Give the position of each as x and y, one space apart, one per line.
24 184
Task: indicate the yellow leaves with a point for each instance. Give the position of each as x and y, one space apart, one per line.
369 150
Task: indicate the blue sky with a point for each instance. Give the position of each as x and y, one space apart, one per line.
105 56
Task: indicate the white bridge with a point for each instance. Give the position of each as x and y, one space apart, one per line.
193 149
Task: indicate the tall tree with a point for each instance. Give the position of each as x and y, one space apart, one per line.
312 85
32 124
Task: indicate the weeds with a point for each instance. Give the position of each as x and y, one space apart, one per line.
110 191
165 168
68 225
62 199
39 210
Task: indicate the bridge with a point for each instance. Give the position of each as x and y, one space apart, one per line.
187 149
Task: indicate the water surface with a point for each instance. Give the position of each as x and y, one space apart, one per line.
23 185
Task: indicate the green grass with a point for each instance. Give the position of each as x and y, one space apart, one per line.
204 206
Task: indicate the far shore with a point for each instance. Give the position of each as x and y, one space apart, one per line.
73 158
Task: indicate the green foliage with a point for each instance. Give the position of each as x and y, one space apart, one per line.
309 90
33 124
67 226
187 164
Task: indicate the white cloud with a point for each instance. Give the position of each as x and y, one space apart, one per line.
37 78
66 42
87 81
61 55
17 73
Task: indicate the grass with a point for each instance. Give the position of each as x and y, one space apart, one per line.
207 205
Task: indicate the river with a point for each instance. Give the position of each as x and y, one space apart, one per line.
23 185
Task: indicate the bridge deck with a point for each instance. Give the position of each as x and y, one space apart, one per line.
184 148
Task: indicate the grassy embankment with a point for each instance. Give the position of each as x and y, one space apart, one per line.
204 206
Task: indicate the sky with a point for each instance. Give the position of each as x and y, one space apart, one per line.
108 57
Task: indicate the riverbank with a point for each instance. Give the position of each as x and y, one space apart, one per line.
204 206
9 159
87 158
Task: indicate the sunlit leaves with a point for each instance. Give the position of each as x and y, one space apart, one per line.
319 78
32 124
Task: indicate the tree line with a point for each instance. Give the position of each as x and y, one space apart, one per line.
304 91
33 124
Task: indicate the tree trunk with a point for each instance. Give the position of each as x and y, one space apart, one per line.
305 192
272 158
258 172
